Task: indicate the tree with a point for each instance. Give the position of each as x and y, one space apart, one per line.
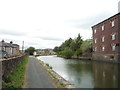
30 50
86 46
67 53
78 41
78 52
56 49
73 45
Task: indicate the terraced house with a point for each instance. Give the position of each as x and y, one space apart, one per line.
8 49
106 39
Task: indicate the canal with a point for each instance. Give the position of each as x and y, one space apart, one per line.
85 73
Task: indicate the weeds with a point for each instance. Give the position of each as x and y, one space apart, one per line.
16 78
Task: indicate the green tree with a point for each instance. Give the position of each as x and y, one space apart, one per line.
86 46
67 53
73 45
78 52
78 41
30 50
56 49
66 44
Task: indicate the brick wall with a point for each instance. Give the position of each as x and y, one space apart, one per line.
107 33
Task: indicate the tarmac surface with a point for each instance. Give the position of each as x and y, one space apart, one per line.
36 76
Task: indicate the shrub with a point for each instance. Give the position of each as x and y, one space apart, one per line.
67 53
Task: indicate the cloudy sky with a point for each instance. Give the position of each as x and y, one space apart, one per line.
47 23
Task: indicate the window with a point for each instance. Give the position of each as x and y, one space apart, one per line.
102 27
3 48
94 31
113 36
113 47
95 40
113 23
103 48
103 39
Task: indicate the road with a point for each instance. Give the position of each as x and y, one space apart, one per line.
36 75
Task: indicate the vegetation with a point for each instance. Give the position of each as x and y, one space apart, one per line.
49 66
67 53
52 75
74 47
62 84
30 50
16 78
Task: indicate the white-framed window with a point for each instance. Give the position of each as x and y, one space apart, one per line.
102 27
95 40
113 36
3 48
113 46
103 48
94 31
113 23
103 39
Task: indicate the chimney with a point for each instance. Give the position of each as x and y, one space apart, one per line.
119 7
11 42
3 41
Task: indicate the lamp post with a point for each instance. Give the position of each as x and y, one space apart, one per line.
22 47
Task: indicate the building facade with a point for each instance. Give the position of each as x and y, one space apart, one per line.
44 52
106 39
8 49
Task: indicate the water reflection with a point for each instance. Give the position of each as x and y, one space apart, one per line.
85 74
105 75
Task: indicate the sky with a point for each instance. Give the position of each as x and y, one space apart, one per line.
47 23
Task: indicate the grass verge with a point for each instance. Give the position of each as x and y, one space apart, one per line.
16 78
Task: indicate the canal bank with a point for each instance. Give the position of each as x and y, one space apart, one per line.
90 57
59 80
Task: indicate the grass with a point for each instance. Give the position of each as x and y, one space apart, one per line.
62 84
52 75
16 78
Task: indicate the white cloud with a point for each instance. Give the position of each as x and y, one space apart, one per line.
47 23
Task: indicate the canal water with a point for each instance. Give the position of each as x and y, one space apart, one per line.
85 73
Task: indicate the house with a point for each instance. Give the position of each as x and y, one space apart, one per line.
8 49
44 52
106 39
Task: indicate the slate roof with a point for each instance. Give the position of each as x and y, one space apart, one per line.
4 44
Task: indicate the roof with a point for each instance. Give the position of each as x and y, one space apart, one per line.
4 44
15 44
107 19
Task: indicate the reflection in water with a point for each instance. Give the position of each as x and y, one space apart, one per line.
84 73
105 75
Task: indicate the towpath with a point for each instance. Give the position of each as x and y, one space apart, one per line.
36 76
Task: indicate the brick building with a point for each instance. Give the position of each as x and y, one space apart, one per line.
106 39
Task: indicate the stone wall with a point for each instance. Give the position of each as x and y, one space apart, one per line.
9 64
114 58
